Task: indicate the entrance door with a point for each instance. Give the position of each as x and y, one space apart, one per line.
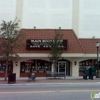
62 67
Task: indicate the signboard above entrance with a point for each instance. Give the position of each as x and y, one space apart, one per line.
43 43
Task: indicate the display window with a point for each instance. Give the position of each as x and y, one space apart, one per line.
35 66
43 66
27 66
88 63
3 66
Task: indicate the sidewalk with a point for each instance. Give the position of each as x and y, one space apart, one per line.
44 80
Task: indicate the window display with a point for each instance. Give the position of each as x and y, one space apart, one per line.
40 66
48 66
35 66
27 67
3 66
44 66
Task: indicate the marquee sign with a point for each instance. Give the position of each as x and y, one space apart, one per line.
43 43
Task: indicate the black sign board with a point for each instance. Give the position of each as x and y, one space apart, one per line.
43 44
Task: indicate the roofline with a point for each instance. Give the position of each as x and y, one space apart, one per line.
47 29
79 42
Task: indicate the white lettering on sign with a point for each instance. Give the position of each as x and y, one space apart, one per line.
35 43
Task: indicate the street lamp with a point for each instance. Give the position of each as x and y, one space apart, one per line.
97 46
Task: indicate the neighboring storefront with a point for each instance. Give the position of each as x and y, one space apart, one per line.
87 63
78 53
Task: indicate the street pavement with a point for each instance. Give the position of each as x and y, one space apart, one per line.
71 88
44 81
49 92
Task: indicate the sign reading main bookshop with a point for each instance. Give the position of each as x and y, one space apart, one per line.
43 44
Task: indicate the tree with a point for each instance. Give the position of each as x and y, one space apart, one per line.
10 39
56 49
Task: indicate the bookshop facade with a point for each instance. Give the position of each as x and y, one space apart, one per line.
34 56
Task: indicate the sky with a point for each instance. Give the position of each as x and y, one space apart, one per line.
54 14
7 10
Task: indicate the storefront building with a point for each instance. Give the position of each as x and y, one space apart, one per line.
78 53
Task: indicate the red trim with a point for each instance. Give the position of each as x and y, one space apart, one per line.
42 74
2 74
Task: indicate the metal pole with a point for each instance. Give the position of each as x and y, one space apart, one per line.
97 62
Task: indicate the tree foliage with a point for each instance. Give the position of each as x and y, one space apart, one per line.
56 50
10 39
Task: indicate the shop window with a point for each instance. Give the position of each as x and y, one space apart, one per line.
27 67
87 63
3 67
10 67
40 66
47 66
43 66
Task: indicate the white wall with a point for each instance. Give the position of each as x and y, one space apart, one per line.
19 11
7 10
89 22
16 68
54 14
75 17
47 14
62 13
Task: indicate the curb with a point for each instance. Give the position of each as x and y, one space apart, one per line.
38 84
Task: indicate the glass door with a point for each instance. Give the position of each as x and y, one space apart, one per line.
62 67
